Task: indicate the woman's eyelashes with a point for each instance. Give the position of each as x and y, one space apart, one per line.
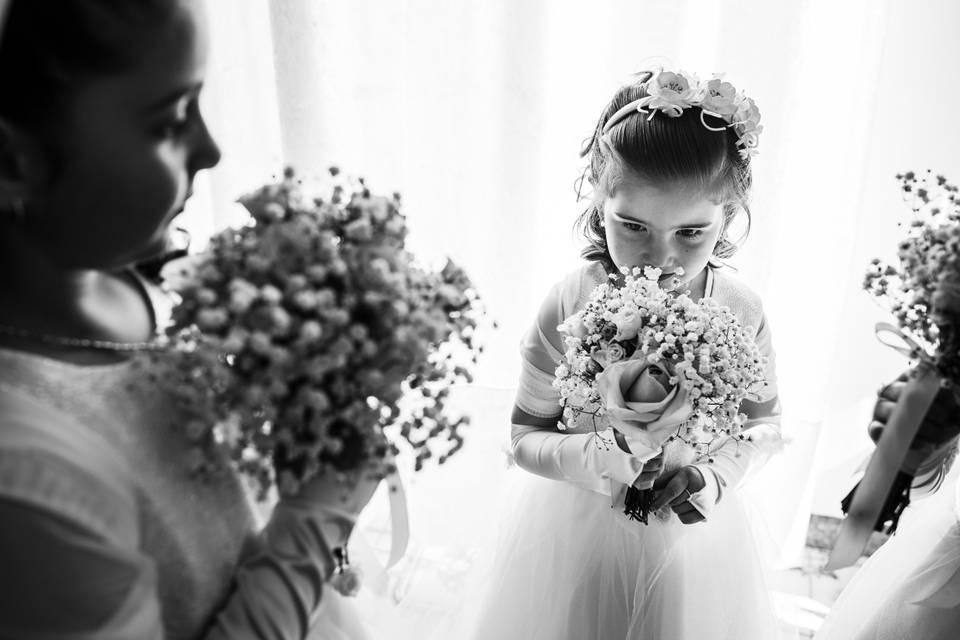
171 129
176 123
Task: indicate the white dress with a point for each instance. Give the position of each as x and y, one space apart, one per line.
909 588
571 566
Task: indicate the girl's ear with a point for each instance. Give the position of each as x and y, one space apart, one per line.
24 165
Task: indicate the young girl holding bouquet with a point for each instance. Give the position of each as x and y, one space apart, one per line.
106 532
669 164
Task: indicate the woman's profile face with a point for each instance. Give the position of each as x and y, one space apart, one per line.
125 153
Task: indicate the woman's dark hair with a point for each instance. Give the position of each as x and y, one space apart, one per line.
48 48
662 150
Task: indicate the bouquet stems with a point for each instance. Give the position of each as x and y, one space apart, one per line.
637 504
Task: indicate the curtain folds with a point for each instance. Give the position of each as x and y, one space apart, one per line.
476 111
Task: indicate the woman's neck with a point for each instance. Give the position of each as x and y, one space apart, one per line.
39 296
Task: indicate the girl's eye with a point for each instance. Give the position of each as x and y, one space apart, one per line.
632 227
690 234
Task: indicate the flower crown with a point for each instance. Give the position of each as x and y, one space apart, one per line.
671 92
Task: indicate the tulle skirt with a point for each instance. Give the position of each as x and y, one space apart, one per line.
909 588
568 566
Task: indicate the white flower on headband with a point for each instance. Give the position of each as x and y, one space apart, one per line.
672 92
720 98
747 117
746 123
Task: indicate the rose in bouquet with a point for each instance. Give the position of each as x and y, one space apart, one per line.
311 339
922 292
657 366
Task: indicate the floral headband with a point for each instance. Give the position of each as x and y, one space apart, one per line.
671 92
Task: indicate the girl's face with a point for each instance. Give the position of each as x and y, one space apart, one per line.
126 152
671 228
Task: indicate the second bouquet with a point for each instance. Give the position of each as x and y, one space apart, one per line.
311 340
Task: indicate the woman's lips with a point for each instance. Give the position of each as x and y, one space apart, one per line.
183 205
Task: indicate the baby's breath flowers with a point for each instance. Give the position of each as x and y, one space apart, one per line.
707 356
311 339
923 290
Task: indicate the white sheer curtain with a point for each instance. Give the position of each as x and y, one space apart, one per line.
475 111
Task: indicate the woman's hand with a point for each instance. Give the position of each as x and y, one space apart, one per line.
339 496
677 491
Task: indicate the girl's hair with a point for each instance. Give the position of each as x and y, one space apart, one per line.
49 48
662 150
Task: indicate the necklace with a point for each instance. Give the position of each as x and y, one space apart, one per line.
82 343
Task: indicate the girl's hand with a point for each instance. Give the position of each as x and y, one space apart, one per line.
677 491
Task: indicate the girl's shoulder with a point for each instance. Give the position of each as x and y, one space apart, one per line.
732 292
575 288
570 293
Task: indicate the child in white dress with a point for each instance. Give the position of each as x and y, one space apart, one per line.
572 566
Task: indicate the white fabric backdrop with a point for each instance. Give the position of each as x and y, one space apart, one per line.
475 111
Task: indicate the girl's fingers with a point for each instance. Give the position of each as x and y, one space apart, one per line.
673 490
692 517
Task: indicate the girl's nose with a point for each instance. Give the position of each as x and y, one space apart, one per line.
658 254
